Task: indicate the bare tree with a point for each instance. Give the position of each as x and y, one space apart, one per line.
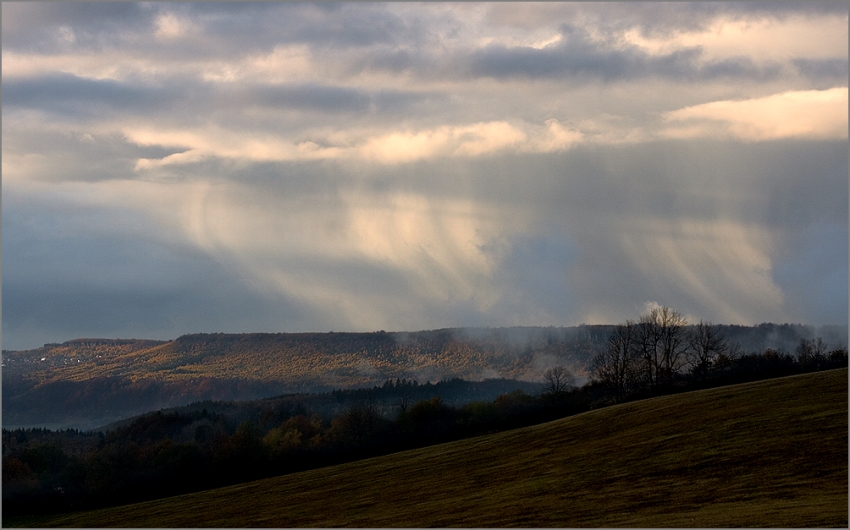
616 365
811 353
648 339
661 343
705 344
559 379
403 402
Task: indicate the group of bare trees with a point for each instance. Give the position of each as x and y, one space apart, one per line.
649 353
812 353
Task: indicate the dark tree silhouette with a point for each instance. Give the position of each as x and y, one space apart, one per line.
661 342
615 367
559 379
705 345
811 354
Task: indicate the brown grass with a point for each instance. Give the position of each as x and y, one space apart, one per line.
771 453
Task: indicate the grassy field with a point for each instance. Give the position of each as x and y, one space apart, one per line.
771 453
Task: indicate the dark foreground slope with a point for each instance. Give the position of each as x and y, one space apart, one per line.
771 453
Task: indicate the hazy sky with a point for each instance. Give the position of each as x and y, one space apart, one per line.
180 168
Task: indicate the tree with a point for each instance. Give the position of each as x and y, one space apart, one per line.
559 380
616 365
661 344
358 425
811 354
838 357
404 400
705 345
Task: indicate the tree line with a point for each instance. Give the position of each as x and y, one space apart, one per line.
161 454
661 352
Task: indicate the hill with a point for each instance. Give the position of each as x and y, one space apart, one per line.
87 383
770 453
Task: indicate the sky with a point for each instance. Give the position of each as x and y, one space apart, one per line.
284 167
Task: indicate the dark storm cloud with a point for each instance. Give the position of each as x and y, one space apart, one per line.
568 259
323 98
323 25
143 287
313 96
395 60
815 274
736 68
354 27
401 102
577 55
218 30
75 96
820 196
536 267
834 70
601 197
758 182
56 311
33 26
659 18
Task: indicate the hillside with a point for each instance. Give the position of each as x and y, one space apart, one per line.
90 382
87 383
770 453
337 360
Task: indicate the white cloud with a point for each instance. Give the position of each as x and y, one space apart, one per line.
473 140
470 140
759 39
169 27
813 114
556 138
816 114
66 35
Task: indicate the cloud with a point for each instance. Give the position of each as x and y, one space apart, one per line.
708 260
359 255
711 53
576 54
71 95
725 35
818 114
47 29
302 167
472 140
588 244
653 19
822 68
314 97
815 270
33 151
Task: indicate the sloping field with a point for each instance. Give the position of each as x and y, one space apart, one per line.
772 453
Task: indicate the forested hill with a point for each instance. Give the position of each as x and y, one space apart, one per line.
309 361
89 382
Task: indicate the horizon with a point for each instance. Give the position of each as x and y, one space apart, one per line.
179 168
